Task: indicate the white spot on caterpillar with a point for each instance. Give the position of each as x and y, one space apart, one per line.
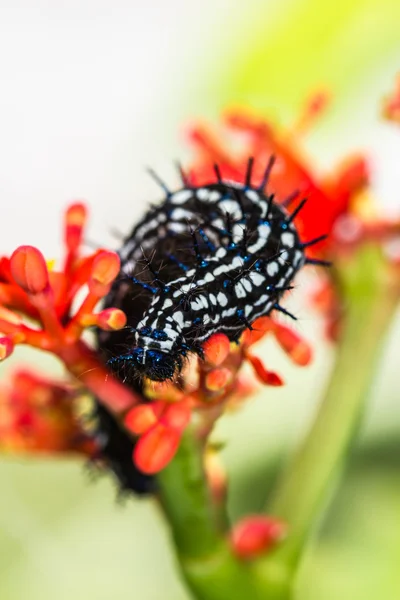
199 303
177 227
180 214
181 197
237 233
261 300
240 291
167 303
298 256
208 195
228 312
283 257
263 235
272 268
287 239
259 201
220 253
214 196
247 284
252 195
231 207
178 318
222 299
256 278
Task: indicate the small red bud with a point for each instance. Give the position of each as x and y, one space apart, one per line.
176 416
6 347
142 418
267 377
297 349
216 349
111 319
218 379
156 448
260 327
254 535
105 268
29 269
75 220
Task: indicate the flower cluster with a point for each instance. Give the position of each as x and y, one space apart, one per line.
207 387
37 308
39 415
33 291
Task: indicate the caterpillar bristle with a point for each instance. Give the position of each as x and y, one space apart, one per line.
296 211
318 262
290 198
217 173
267 173
249 170
243 319
182 174
159 181
283 310
314 241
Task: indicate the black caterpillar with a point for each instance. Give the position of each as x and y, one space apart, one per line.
115 448
207 259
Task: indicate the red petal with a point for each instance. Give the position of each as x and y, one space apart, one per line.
267 377
216 349
295 347
156 448
29 269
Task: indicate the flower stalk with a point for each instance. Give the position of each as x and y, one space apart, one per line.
207 563
370 290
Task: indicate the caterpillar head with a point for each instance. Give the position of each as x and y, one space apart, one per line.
155 364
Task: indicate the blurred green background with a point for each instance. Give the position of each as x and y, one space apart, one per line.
63 535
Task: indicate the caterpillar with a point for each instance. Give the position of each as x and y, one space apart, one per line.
115 448
207 259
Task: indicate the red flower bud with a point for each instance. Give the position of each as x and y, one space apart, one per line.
254 535
218 379
29 269
6 347
111 319
260 327
142 418
176 416
216 349
75 220
105 268
156 448
267 377
297 348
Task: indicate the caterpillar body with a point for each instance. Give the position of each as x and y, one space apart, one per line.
207 259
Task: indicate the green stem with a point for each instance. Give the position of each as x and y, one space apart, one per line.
308 482
210 569
186 500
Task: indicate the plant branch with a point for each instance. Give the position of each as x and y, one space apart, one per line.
371 295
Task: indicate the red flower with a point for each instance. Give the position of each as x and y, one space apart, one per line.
39 415
334 204
30 290
327 198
